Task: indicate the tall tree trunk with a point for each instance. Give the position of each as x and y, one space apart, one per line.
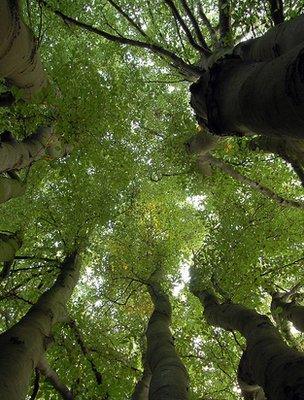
141 390
254 89
9 245
291 150
169 376
23 345
290 311
42 144
20 62
10 188
52 377
273 366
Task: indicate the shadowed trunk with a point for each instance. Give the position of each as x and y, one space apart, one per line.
249 390
20 62
169 376
141 390
290 311
42 144
52 377
23 345
256 89
10 188
272 365
9 245
291 150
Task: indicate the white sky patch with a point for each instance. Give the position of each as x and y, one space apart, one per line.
294 330
185 277
198 202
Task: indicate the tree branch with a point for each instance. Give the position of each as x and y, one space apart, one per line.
253 184
224 20
190 71
52 377
182 23
128 18
207 23
276 11
195 25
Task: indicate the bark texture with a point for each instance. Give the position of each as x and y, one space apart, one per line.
10 188
273 366
23 345
45 143
9 245
290 311
291 150
141 390
258 88
52 377
20 62
169 376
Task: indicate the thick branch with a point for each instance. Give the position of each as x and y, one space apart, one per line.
207 23
291 311
190 71
182 23
23 345
20 62
253 184
196 27
128 18
44 143
276 11
224 20
291 150
52 377
274 366
85 350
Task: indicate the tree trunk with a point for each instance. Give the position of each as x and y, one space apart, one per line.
9 245
250 391
10 188
255 90
169 376
291 150
23 345
290 311
20 62
42 144
273 366
141 391
52 377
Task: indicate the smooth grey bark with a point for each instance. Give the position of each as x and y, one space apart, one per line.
52 377
9 245
254 89
141 390
273 366
169 376
289 149
44 143
291 311
20 62
249 390
10 188
23 345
